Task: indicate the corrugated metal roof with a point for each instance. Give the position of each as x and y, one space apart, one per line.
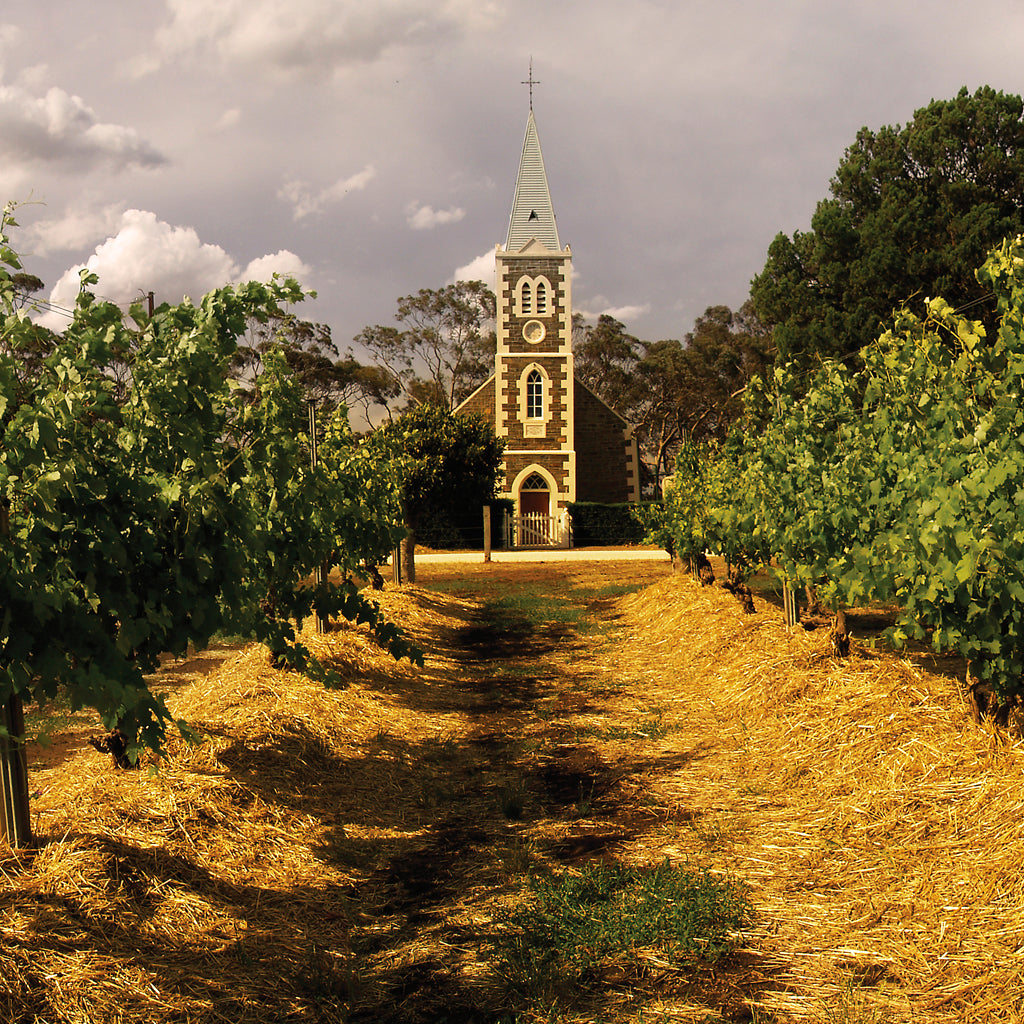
532 215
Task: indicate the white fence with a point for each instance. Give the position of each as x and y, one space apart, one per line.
536 530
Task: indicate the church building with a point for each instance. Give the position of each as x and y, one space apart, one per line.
562 443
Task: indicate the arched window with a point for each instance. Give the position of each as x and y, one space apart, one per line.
535 396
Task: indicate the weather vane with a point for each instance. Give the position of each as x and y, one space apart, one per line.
531 82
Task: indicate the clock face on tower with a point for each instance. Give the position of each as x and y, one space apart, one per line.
533 331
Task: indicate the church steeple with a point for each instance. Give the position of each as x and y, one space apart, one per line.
532 214
551 424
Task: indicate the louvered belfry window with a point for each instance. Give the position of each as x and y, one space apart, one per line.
526 297
542 298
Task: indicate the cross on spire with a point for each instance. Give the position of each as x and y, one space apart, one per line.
531 82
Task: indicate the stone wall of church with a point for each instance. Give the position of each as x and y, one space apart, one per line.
556 464
480 403
603 471
555 270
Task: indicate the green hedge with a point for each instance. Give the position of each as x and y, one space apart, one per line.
599 525
464 529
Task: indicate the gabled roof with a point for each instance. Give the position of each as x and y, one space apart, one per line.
580 386
532 215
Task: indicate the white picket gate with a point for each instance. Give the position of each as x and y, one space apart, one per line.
536 530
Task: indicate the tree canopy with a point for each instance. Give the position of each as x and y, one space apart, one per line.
137 520
605 359
913 211
671 390
446 463
691 390
324 375
444 348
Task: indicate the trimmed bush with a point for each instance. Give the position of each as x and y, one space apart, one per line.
599 525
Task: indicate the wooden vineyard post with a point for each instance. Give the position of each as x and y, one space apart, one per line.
487 533
322 571
790 605
15 820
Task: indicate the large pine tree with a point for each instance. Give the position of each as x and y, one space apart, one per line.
913 212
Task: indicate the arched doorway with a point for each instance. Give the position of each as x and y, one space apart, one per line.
535 528
534 496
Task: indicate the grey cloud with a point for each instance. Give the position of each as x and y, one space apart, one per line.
313 38
59 128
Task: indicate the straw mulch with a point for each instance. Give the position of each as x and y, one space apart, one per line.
881 830
339 855
224 887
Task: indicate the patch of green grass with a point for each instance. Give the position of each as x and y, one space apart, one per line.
529 607
651 728
573 927
535 608
856 1006
585 802
519 671
610 590
518 857
440 748
230 639
457 587
717 830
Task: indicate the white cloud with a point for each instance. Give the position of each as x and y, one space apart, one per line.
284 262
305 201
229 119
422 218
10 35
313 37
77 229
147 254
627 313
58 128
479 269
14 181
624 314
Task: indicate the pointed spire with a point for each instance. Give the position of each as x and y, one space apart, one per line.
532 214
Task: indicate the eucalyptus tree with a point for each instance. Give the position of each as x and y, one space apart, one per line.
443 348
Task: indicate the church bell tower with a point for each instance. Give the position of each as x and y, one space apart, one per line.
563 444
534 383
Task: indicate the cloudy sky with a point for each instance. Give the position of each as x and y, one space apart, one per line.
370 147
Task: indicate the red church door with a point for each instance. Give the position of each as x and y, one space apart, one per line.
533 503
